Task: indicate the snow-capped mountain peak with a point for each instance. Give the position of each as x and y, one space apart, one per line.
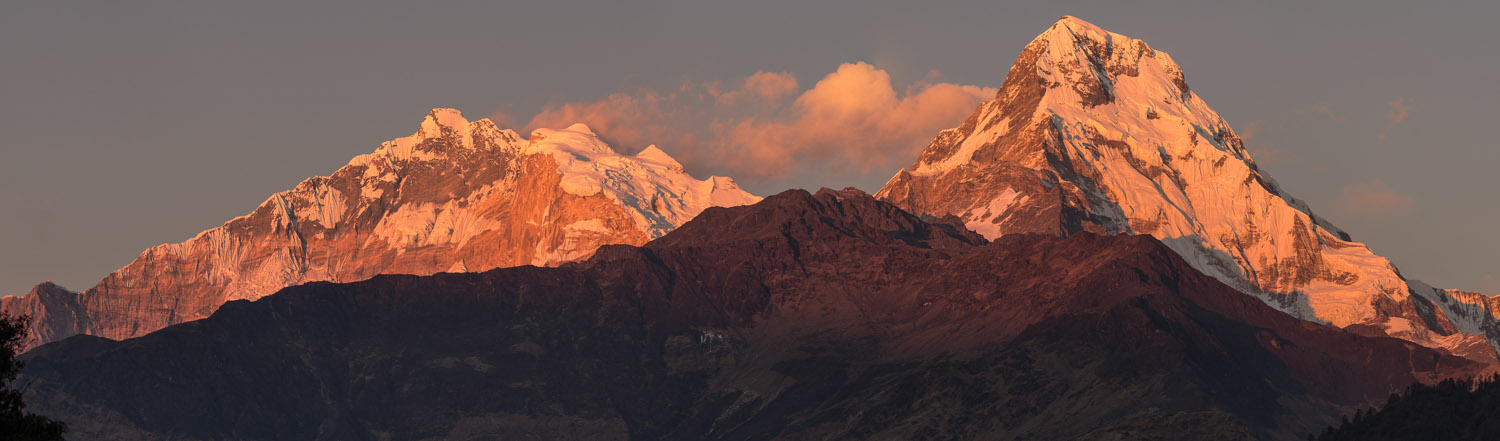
655 154
581 128
650 184
1095 131
577 137
444 123
455 195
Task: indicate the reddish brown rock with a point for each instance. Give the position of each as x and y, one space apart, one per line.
806 316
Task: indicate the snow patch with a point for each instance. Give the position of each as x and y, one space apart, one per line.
987 222
417 225
587 225
653 188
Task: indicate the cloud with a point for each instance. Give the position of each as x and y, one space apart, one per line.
1399 111
1269 157
770 87
628 120
1374 199
1328 112
1251 129
852 122
1264 157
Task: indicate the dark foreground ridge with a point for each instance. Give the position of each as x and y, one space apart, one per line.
805 316
1453 410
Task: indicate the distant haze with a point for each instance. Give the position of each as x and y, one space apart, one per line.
126 125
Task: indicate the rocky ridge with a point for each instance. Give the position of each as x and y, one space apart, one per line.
455 196
805 316
1095 131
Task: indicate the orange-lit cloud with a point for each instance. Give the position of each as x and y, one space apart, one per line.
631 121
1331 114
853 121
1264 157
1328 112
1251 129
1374 199
1269 157
1399 111
770 87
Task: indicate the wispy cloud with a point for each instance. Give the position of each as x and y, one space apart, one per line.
1399 111
1267 157
1263 155
1373 198
1328 112
1251 129
770 87
852 121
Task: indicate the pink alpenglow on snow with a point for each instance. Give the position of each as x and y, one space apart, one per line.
1096 131
456 196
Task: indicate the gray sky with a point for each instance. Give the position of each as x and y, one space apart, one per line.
128 124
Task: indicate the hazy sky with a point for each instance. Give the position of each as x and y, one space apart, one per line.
128 124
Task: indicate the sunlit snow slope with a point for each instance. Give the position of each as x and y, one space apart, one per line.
1095 131
455 196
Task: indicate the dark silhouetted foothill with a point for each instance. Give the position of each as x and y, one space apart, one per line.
827 315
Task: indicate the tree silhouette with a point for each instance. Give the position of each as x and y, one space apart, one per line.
15 423
1452 410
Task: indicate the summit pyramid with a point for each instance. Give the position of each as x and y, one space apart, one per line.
1095 131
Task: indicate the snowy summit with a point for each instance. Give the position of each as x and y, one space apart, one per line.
1096 131
454 196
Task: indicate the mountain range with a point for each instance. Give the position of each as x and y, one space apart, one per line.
1093 254
805 316
455 196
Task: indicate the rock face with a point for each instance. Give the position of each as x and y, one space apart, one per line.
805 316
455 196
1094 131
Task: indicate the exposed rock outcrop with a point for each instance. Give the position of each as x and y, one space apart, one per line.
1094 131
455 196
805 316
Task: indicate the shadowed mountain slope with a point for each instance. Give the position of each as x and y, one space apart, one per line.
805 316
1096 131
